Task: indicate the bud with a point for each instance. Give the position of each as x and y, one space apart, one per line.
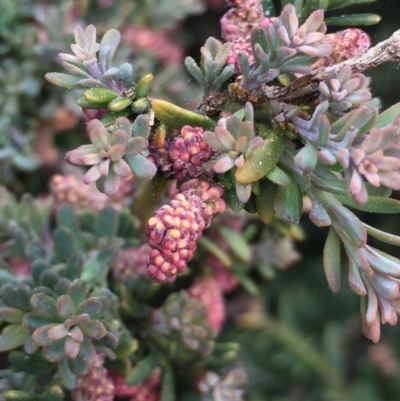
140 106
207 291
143 86
99 95
95 385
119 103
175 228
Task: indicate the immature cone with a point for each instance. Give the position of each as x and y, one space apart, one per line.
131 263
346 44
184 156
207 291
70 189
189 152
96 385
242 19
154 41
175 228
148 390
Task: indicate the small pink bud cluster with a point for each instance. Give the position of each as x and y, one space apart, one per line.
95 385
184 156
188 153
346 44
207 291
242 19
157 42
131 263
70 189
175 228
148 390
238 24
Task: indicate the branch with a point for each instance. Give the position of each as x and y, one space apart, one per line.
386 51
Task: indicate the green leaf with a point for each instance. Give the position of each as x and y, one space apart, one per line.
268 7
313 5
216 251
141 106
388 116
92 306
265 201
54 352
65 306
176 117
353 19
167 391
262 160
331 260
45 305
142 167
306 158
127 345
107 223
63 80
11 315
94 329
289 203
48 280
34 364
64 243
143 86
16 395
142 370
119 103
40 335
342 218
127 226
375 204
73 269
141 127
54 393
194 70
78 291
241 273
82 102
335 4
18 296
100 95
97 266
279 177
66 217
382 235
111 38
237 244
233 201
110 118
67 376
13 336
34 320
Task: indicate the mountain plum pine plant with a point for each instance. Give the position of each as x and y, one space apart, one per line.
113 286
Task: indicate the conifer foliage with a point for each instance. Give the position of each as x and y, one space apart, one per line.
152 268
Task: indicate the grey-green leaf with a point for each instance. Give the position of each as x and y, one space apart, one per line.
332 260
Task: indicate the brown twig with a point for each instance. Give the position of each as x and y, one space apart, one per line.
383 52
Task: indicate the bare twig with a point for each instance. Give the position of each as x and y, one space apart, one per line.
386 51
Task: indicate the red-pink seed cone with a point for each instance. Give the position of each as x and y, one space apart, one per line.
175 228
207 291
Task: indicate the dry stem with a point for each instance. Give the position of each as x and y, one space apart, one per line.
386 51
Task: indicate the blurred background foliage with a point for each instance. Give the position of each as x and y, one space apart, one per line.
299 340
